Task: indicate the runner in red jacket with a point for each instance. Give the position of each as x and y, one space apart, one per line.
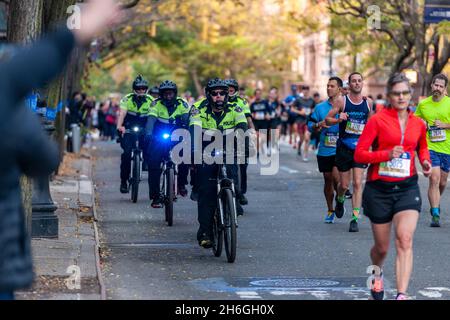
383 134
391 195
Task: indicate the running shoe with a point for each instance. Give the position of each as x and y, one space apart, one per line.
329 218
348 194
401 296
353 226
339 210
435 221
377 287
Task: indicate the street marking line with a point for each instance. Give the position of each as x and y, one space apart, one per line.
321 295
248 295
431 294
438 289
289 170
287 293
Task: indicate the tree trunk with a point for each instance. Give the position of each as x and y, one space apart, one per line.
197 83
25 20
54 11
76 70
24 25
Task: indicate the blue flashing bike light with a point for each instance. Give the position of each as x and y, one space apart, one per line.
166 136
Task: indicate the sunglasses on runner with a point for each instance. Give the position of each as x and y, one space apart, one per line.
216 93
398 93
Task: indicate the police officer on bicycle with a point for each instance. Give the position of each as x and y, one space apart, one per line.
134 109
166 112
154 92
215 113
233 86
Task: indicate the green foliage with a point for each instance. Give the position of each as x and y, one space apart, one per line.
351 36
152 70
100 84
444 28
182 49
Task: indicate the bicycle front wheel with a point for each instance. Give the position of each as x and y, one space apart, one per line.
168 207
135 178
218 235
229 213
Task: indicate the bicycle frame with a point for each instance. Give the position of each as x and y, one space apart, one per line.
224 183
167 164
136 149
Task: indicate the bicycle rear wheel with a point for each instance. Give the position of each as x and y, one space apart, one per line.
218 235
135 178
230 234
169 195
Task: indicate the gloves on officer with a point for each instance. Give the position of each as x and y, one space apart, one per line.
182 120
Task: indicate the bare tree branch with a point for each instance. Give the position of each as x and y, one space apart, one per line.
441 61
344 12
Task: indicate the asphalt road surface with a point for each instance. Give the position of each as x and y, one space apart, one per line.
285 250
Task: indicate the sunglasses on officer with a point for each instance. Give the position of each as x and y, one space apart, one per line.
217 93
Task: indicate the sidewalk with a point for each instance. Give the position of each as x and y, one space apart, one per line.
76 249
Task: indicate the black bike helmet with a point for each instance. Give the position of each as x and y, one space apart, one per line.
168 85
140 82
154 90
232 83
214 84
165 86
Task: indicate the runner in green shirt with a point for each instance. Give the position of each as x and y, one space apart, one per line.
435 111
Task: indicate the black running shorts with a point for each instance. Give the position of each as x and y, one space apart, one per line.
345 159
261 124
326 164
382 200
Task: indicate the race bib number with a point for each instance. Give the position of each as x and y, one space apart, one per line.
354 127
331 139
307 111
437 135
259 115
396 168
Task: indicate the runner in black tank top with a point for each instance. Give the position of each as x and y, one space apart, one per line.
354 111
351 129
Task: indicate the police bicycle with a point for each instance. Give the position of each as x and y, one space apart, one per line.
169 179
225 216
136 161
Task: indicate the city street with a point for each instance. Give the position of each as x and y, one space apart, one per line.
285 250
366 81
